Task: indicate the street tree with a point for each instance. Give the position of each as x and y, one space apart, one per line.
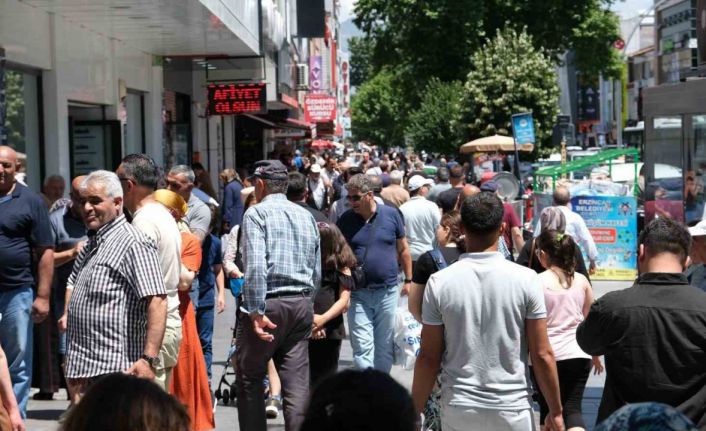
430 126
508 75
375 111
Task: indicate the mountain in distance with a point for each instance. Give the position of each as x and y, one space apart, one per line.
348 29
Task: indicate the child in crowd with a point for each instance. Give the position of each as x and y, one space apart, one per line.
330 302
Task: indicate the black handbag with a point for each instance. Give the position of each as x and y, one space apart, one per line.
358 272
238 254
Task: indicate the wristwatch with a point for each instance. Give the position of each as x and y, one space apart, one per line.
152 360
407 280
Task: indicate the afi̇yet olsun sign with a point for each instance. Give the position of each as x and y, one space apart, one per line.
233 99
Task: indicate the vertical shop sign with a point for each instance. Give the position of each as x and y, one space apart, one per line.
612 221
3 109
315 73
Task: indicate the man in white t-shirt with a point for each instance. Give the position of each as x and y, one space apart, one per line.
421 217
482 315
138 175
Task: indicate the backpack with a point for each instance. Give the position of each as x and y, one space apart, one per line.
438 258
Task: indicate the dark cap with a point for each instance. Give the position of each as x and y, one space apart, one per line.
489 186
269 170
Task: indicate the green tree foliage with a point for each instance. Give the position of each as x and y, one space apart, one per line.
509 75
15 110
361 49
375 110
430 126
593 39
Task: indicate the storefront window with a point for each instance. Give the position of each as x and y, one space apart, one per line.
22 123
664 183
694 183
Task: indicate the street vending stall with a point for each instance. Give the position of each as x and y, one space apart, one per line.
609 207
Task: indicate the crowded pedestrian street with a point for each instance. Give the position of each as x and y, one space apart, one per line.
352 215
43 415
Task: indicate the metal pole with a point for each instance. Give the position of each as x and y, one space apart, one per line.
618 104
563 158
3 108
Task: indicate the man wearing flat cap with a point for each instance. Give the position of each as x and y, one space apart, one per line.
282 264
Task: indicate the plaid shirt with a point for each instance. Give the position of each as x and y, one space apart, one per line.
281 251
107 315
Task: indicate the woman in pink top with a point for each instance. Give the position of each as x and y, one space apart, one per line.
568 297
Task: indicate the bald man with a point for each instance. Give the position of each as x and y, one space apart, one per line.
25 239
69 235
468 191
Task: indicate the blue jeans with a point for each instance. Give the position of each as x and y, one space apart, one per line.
16 340
204 323
371 317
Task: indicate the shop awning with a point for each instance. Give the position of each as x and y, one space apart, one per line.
299 124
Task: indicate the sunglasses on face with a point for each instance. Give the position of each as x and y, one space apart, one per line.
355 198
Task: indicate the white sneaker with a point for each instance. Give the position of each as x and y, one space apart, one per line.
272 408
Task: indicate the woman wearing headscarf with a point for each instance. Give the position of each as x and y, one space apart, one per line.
189 383
550 218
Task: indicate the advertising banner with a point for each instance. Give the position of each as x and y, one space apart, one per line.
315 73
612 221
319 108
523 128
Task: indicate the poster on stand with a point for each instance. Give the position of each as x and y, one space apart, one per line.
612 221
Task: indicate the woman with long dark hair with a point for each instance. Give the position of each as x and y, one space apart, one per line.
330 302
568 296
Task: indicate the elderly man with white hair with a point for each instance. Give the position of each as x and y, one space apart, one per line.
395 193
117 313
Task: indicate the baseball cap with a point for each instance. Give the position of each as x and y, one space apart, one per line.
699 229
270 170
418 181
315 168
489 186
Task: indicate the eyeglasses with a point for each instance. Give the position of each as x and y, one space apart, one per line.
354 198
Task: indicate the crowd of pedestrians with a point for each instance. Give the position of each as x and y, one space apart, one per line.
119 284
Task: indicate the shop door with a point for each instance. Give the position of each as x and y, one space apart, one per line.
94 145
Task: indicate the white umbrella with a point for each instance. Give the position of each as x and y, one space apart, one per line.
492 144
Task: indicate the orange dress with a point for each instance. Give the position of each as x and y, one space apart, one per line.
189 383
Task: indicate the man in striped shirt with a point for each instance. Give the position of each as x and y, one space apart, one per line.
117 311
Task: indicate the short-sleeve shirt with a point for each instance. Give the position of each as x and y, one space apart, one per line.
426 266
511 220
67 231
381 263
107 314
211 255
483 301
24 225
198 217
154 220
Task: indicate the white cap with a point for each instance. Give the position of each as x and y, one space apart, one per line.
315 168
699 229
418 181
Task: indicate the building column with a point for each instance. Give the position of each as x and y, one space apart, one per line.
154 123
56 112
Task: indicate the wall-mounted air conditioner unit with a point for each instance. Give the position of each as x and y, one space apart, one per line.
302 76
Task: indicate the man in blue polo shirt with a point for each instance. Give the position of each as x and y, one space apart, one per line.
380 230
25 235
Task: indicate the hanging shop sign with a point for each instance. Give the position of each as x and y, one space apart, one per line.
612 222
234 99
319 108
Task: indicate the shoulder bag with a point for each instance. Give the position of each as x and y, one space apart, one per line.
358 272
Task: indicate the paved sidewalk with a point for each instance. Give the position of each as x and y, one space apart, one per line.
42 415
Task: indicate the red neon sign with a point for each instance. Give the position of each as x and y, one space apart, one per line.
233 99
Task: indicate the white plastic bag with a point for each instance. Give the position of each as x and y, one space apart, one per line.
408 336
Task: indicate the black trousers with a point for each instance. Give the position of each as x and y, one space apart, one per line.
573 374
323 359
293 316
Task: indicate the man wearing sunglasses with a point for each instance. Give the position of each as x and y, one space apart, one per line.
376 234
